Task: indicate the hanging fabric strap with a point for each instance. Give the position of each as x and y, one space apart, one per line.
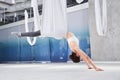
101 20
36 21
54 23
37 25
27 30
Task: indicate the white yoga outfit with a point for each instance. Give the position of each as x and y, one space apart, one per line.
73 38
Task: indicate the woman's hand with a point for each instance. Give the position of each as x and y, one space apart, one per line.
99 69
90 67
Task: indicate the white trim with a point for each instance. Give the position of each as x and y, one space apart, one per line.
78 7
69 10
100 62
108 62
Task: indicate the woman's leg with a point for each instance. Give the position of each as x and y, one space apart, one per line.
27 34
31 34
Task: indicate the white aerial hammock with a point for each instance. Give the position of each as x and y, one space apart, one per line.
13 1
36 21
101 19
54 23
79 1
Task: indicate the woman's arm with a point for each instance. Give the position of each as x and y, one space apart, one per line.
87 60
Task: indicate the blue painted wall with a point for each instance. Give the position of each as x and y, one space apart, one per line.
46 48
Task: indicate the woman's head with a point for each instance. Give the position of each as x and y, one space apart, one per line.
74 58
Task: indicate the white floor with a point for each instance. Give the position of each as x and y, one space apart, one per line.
58 71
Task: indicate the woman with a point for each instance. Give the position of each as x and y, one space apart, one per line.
77 53
73 42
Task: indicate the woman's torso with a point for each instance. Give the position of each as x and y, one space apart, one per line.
73 39
73 43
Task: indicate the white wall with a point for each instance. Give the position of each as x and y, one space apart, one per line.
106 48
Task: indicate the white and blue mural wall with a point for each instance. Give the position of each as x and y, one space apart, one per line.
79 25
14 48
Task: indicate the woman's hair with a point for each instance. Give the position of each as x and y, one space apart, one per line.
74 58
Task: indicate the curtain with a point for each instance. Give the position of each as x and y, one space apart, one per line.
101 19
54 23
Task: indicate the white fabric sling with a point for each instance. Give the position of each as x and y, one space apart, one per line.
79 1
54 23
36 21
13 1
101 20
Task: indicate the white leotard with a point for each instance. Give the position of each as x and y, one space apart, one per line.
73 38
